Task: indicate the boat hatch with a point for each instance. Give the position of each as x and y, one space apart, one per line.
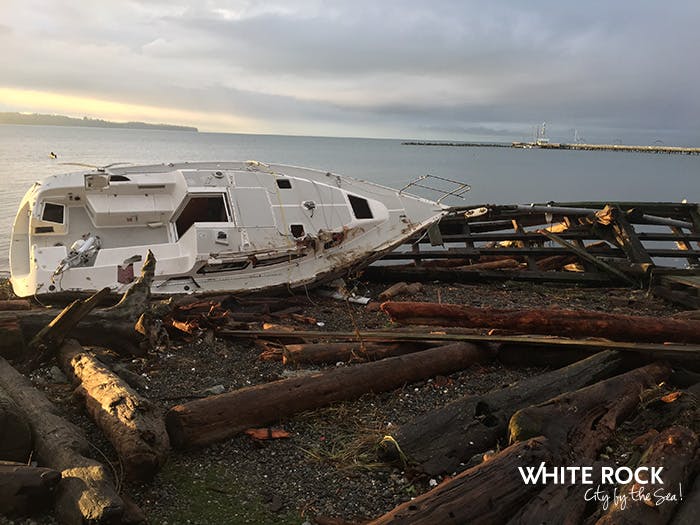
360 207
202 208
51 219
53 212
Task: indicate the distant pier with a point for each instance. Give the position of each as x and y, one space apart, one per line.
608 147
540 144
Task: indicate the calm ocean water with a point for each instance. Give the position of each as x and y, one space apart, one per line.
497 175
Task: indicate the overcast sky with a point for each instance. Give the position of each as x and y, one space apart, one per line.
441 69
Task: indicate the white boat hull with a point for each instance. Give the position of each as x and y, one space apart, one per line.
230 226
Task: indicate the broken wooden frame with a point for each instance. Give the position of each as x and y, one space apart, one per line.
629 243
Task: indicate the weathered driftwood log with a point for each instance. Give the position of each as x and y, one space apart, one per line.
25 489
441 440
397 289
688 513
219 417
15 304
322 353
130 422
15 432
116 334
561 504
487 494
673 449
555 262
490 265
578 423
12 342
558 322
86 493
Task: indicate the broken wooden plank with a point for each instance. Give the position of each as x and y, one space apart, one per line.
585 255
612 225
48 340
683 243
680 352
219 417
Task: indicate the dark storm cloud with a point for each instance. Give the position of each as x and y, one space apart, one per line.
369 68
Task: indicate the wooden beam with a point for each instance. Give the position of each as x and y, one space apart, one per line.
654 350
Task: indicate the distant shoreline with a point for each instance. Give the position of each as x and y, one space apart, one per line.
38 119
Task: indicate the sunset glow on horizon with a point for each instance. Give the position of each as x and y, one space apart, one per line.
78 106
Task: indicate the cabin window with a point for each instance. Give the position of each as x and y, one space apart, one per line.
205 208
52 213
297 230
360 207
284 184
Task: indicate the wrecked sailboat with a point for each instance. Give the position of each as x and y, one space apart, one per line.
231 226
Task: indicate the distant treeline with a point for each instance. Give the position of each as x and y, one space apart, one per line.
38 119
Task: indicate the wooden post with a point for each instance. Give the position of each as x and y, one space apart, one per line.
685 246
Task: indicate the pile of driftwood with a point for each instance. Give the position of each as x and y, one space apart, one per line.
604 367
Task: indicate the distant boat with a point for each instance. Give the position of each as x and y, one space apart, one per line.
229 226
53 155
